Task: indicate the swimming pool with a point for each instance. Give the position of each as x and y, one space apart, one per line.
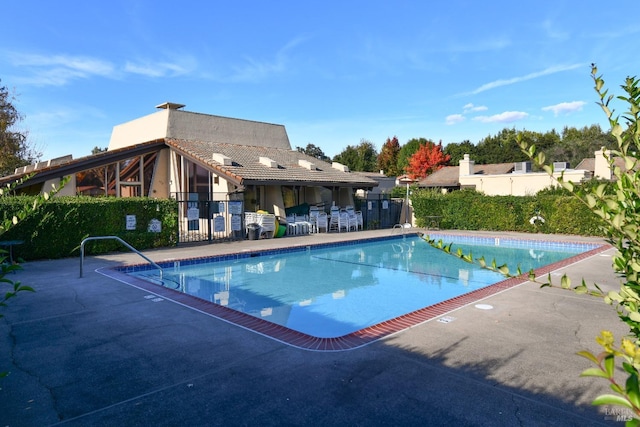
342 295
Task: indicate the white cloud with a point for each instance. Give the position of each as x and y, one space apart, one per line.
474 108
506 117
454 119
514 80
58 70
255 70
158 69
565 107
555 32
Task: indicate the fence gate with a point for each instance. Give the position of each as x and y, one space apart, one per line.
210 220
380 211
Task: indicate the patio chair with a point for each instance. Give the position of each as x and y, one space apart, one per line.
334 220
292 228
313 219
322 222
267 224
302 221
353 220
343 221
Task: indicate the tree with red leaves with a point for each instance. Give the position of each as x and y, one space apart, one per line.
428 159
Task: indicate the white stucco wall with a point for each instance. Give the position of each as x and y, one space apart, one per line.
602 167
518 184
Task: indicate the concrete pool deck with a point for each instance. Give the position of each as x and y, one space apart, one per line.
95 351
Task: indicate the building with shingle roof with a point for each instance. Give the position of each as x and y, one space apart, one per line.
199 157
514 179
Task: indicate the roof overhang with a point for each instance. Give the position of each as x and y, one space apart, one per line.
84 163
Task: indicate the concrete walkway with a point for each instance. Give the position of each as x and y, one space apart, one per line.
93 351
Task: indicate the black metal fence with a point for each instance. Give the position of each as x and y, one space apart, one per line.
379 211
223 220
210 220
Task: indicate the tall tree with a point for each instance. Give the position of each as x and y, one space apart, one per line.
428 159
500 148
14 149
579 144
457 150
362 157
314 151
388 157
407 150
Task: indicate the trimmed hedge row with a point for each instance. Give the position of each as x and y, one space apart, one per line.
470 210
56 229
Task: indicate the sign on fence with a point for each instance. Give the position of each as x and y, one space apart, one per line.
130 222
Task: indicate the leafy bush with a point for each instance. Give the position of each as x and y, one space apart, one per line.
470 210
57 228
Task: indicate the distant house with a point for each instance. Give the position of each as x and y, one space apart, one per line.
515 179
199 157
385 183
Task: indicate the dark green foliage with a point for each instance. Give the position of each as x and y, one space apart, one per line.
456 151
363 157
571 145
313 151
57 228
470 210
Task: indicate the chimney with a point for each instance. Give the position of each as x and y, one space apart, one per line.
602 167
466 166
170 106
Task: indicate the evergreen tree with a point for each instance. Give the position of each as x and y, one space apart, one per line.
362 157
388 157
314 151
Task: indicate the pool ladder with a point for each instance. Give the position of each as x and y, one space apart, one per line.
121 241
403 227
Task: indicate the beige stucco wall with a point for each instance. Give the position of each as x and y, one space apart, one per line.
518 184
144 129
68 190
161 177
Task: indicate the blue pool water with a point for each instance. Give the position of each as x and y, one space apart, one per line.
333 290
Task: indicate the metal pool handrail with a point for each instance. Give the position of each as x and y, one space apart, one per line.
121 241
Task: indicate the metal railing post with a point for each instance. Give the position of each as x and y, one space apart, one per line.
121 241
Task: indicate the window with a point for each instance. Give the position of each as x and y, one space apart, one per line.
134 178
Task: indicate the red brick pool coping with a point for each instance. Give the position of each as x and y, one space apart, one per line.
350 341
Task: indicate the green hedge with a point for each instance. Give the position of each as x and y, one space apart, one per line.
470 210
56 229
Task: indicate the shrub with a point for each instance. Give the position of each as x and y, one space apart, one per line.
470 210
57 228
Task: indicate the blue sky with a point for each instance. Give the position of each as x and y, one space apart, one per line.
333 72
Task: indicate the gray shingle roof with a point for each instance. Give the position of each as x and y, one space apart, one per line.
443 177
247 169
449 176
589 164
